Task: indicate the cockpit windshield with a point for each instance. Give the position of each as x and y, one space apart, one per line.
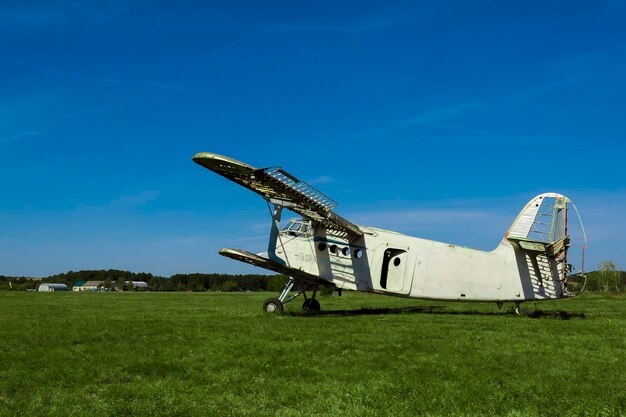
297 227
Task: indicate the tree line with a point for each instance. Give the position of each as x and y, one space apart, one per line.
113 278
606 278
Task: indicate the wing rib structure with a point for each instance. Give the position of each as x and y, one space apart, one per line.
279 187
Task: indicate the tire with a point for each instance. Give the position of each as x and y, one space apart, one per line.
273 305
311 305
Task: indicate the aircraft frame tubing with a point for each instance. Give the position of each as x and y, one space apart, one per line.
291 282
288 286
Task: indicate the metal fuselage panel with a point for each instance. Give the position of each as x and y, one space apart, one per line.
391 263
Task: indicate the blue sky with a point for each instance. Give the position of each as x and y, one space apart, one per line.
437 119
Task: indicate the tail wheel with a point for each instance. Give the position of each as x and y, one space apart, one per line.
273 305
311 305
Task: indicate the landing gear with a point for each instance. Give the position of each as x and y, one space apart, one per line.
276 305
273 305
520 311
311 305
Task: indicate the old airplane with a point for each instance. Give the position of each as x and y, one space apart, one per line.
322 248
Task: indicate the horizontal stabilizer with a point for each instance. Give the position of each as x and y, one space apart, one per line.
547 248
256 260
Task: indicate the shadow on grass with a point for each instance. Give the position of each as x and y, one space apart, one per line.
559 314
537 314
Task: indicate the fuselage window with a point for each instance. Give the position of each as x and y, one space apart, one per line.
296 227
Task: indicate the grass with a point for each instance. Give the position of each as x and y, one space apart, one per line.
192 354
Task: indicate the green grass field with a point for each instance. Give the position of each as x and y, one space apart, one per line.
205 354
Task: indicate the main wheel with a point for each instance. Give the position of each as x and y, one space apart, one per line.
311 305
273 305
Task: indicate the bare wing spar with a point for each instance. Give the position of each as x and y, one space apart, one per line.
282 189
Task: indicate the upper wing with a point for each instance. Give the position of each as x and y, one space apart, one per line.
279 187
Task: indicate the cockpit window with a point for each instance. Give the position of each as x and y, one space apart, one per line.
296 227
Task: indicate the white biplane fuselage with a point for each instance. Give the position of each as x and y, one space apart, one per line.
530 263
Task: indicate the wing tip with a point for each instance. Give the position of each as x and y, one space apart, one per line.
214 161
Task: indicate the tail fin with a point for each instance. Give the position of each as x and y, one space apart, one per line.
543 219
545 233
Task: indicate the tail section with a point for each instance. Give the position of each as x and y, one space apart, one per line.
549 245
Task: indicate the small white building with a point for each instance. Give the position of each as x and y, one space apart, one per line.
139 285
92 286
52 287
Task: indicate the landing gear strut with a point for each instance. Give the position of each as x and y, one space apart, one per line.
519 310
311 305
276 305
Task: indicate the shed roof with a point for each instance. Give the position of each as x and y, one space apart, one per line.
89 283
54 285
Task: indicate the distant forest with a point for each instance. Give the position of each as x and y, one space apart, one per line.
178 282
602 280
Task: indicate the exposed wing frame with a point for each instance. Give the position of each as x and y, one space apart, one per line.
281 188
